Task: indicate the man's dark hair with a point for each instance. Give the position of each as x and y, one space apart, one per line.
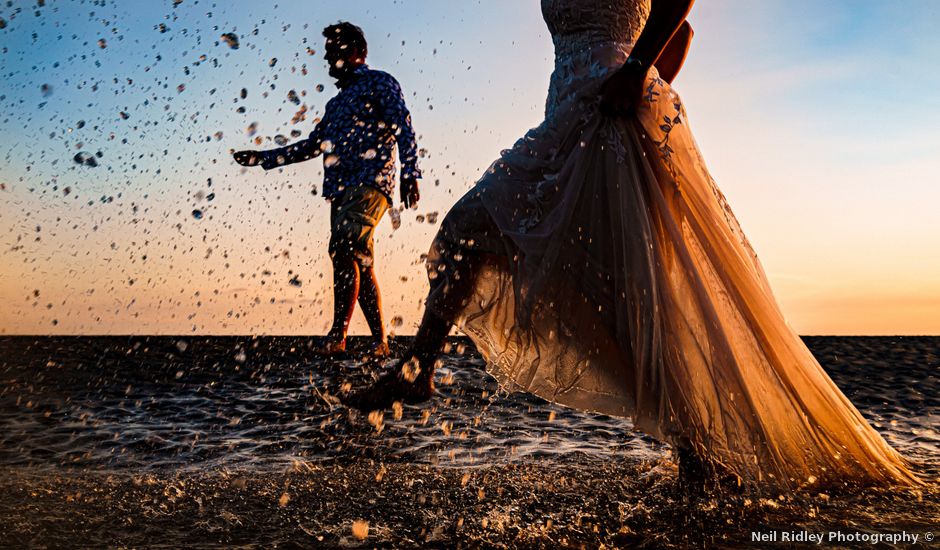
349 35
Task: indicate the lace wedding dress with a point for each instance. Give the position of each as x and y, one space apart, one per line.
630 288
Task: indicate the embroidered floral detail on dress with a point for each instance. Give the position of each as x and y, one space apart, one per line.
667 125
614 139
537 199
573 73
651 95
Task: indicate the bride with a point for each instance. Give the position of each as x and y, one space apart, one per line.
596 264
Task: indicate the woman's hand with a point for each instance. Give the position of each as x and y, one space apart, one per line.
623 90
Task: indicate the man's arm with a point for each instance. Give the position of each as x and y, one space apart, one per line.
296 152
397 116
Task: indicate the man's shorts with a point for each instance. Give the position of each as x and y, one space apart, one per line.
353 217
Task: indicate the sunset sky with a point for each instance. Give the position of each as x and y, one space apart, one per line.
817 118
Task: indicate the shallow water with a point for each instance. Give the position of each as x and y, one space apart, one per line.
201 403
115 412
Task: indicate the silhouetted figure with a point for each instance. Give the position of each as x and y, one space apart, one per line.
597 264
357 136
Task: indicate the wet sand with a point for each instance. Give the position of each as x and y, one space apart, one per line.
222 442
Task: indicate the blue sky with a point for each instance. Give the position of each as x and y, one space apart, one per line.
817 120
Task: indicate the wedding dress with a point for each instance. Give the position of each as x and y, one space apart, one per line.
630 288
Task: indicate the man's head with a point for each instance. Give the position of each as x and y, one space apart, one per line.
345 48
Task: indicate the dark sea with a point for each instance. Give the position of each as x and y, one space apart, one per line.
205 442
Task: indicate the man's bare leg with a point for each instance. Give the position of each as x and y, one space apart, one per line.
345 294
370 300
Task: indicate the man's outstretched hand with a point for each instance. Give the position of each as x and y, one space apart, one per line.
409 191
247 158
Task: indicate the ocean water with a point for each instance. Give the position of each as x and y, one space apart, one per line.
114 412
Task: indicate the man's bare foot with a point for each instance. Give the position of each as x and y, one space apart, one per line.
329 346
404 383
378 349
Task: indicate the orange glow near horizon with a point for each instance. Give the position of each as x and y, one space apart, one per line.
818 132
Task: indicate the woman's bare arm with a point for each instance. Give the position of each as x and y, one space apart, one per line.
673 56
666 16
622 90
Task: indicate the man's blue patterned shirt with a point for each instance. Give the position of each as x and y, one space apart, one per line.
357 136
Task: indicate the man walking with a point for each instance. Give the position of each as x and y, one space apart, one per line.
357 136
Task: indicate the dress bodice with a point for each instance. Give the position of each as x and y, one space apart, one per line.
579 25
591 38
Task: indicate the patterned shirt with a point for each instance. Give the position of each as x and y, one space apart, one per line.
357 136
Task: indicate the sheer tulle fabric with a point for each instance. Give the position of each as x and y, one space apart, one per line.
631 290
